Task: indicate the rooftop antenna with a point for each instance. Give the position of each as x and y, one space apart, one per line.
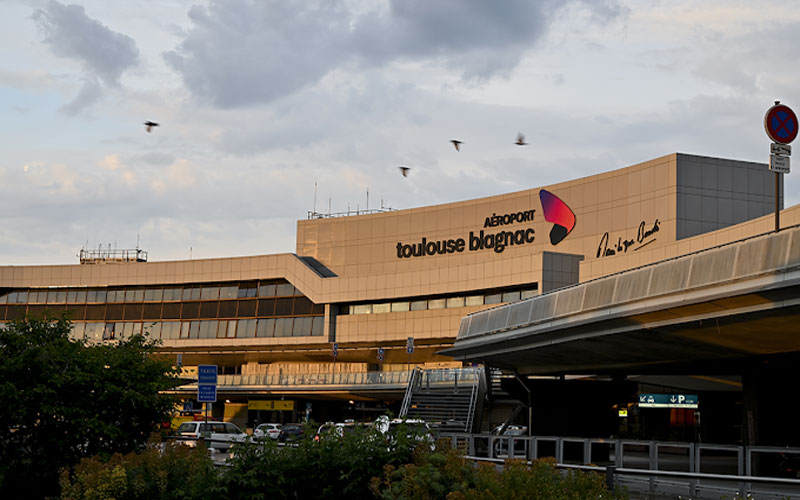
190 253
367 199
315 198
329 206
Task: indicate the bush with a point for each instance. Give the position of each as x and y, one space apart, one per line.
159 472
446 475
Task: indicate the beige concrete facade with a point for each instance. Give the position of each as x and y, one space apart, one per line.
623 218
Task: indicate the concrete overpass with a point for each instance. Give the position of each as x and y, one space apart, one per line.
731 310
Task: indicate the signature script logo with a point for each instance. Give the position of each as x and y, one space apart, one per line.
644 236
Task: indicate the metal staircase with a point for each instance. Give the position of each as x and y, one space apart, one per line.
448 399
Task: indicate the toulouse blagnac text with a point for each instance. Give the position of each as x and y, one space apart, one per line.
498 242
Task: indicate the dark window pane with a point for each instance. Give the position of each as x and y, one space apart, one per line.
283 307
302 306
15 312
208 309
76 312
37 311
172 310
247 290
191 310
152 311
266 290
133 311
227 309
285 290
266 307
96 312
247 308
318 309
114 312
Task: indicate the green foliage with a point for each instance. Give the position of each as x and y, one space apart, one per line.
171 472
65 399
446 475
333 467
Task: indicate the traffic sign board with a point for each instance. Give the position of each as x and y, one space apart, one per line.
410 345
207 374
668 401
781 124
207 393
380 353
777 148
335 349
779 164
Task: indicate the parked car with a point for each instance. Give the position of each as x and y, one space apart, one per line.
414 428
291 432
272 431
218 435
501 445
336 429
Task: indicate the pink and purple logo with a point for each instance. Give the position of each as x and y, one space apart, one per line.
557 212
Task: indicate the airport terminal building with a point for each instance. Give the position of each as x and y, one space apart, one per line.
370 283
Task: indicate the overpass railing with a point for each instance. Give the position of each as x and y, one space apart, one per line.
283 380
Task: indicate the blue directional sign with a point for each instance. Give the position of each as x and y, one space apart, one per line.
207 393
668 401
380 353
207 383
410 345
335 349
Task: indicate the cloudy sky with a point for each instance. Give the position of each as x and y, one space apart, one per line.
261 100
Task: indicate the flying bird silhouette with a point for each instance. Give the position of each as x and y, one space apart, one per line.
456 144
149 125
521 140
404 170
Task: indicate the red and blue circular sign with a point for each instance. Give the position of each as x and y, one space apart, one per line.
780 122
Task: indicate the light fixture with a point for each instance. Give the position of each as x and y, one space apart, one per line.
351 402
227 401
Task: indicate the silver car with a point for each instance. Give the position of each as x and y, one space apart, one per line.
218 435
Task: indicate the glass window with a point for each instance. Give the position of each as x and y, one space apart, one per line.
91 296
138 295
132 329
231 329
318 326
194 330
153 329
266 290
185 330
228 292
190 310
101 295
285 290
208 309
454 302
153 295
172 294
302 327
220 329
511 297
151 311
119 296
247 291
209 293
206 331
526 294
133 311
246 308
246 328
113 311
419 305
283 327
94 331
33 298
171 310
362 309
80 297
318 309
72 296
474 300
400 306
191 293
493 299
381 308
227 308
437 304
170 330
77 330
266 307
266 328
109 332
4 298
130 295
302 306
283 307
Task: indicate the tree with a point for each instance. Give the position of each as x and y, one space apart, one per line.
63 399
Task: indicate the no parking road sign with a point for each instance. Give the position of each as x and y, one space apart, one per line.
781 124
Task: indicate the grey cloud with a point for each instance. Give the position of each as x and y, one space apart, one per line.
70 33
246 51
89 93
156 158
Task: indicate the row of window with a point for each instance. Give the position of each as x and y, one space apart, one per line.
284 306
273 288
176 330
442 303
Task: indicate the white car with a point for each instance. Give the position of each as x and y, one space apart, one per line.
416 428
218 435
272 431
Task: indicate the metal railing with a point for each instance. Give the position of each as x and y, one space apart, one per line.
665 467
316 379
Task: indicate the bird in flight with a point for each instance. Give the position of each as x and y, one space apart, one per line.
149 125
404 170
521 140
456 144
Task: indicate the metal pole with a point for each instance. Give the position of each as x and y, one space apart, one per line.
777 206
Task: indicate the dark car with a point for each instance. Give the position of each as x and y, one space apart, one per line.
291 432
